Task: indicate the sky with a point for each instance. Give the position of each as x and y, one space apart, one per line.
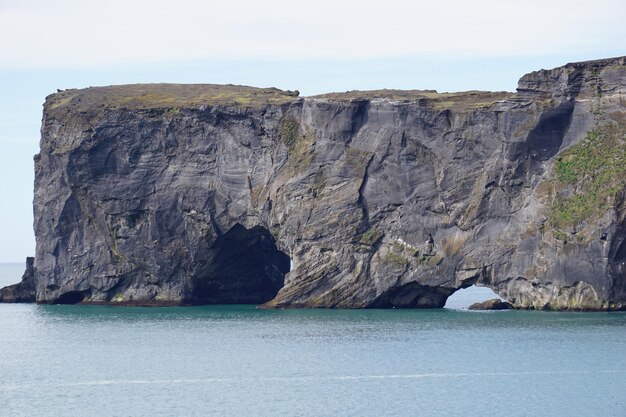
311 46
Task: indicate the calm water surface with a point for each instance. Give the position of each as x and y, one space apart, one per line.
240 361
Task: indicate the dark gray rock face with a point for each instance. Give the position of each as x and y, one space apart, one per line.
166 194
23 291
494 304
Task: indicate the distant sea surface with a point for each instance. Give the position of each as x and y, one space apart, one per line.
241 361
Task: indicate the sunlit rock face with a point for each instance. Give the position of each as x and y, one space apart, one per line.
178 194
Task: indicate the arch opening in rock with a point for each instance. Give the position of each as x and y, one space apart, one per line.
463 298
245 267
413 295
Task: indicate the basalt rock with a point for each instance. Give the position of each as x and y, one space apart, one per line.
185 194
494 304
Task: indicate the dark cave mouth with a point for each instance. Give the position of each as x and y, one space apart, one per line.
70 297
245 267
415 295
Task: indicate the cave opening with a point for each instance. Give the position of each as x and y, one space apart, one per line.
412 295
462 298
71 297
245 267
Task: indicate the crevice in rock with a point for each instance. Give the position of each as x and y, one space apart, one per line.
620 253
617 265
359 117
212 215
362 202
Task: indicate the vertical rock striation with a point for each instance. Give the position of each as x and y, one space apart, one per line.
178 194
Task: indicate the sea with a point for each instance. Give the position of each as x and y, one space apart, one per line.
242 361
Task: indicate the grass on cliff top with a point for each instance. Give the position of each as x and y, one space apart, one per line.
466 100
153 96
595 171
173 96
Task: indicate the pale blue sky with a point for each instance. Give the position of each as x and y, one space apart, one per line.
314 47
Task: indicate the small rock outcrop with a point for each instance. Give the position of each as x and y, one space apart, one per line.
493 304
185 194
23 291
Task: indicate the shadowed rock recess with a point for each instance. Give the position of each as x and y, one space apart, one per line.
187 194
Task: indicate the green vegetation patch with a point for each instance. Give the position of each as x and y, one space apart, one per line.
288 131
595 171
371 237
319 183
395 259
299 143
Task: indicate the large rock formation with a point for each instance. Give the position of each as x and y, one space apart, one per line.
179 194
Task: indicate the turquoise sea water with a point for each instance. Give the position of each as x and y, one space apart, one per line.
241 361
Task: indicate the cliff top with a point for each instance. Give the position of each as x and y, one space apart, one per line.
429 98
152 96
617 62
543 83
586 78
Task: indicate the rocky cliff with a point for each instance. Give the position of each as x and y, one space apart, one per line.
187 194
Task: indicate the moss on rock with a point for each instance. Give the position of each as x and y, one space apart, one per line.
589 175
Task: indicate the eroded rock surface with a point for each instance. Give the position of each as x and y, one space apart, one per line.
380 199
